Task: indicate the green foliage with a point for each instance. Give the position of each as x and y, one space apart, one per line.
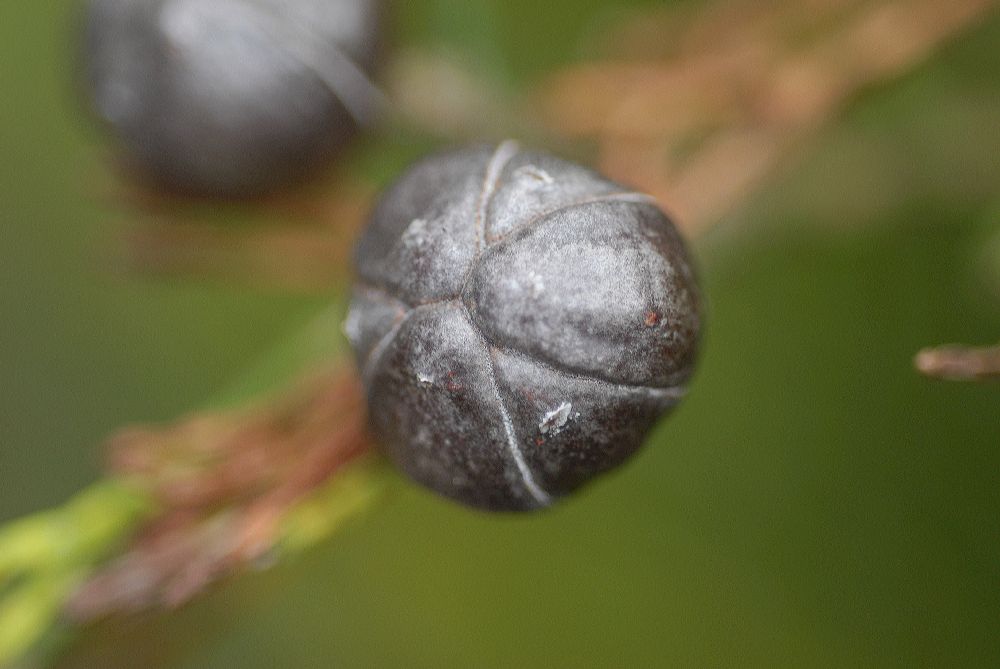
43 557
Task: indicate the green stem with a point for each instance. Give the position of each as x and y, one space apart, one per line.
44 557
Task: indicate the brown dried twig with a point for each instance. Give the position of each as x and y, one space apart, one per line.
303 244
223 483
960 363
699 110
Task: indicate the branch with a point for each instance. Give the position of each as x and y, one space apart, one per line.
190 504
699 111
960 363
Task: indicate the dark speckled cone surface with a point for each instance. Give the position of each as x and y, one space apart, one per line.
520 324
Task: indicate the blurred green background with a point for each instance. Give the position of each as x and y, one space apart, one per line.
814 502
